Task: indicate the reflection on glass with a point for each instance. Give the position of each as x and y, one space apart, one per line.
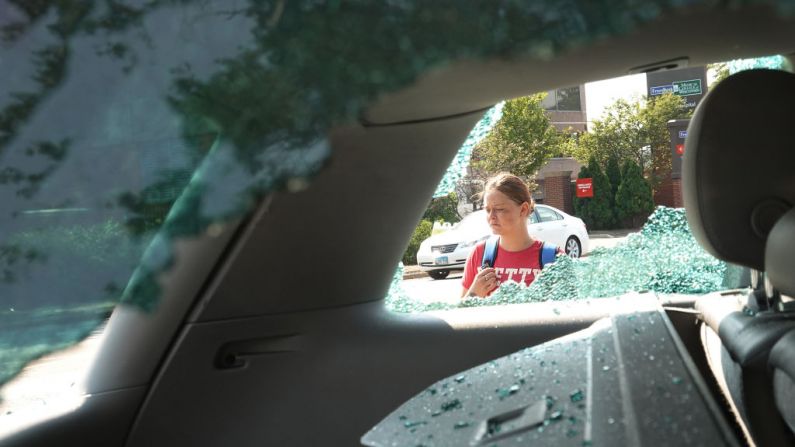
568 99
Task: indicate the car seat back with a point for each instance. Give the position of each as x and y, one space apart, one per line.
737 183
737 173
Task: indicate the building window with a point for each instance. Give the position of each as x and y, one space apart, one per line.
563 100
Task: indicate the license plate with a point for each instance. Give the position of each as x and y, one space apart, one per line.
441 260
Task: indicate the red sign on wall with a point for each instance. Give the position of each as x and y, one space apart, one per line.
584 187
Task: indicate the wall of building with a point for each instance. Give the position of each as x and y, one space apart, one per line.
669 193
557 192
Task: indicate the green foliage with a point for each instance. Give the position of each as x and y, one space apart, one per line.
720 70
422 232
634 199
596 211
443 208
636 131
521 141
620 133
655 116
613 172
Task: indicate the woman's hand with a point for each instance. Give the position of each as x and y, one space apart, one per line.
485 282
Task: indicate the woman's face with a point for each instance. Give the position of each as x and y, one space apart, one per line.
504 215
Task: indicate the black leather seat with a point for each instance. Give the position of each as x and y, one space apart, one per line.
781 273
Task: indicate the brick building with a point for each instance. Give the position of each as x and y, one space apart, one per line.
555 180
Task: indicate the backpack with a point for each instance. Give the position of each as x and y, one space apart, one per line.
546 255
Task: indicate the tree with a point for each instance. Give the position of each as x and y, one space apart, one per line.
444 209
655 116
596 211
422 232
521 141
613 172
620 133
636 131
634 199
718 71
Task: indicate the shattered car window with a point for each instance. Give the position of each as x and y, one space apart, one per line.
127 125
656 251
662 257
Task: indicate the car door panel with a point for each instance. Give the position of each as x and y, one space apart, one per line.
342 369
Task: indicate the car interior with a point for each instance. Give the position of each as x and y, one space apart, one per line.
272 331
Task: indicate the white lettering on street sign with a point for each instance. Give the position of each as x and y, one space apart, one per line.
687 88
660 89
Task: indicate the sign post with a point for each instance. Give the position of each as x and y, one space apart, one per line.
678 132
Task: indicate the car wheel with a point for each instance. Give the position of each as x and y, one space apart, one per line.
439 274
573 248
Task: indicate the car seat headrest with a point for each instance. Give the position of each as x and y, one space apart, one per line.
738 172
778 254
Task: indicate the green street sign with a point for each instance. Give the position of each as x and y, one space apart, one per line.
687 88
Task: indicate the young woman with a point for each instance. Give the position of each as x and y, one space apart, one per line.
508 204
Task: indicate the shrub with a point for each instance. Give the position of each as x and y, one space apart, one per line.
634 199
613 172
422 232
596 211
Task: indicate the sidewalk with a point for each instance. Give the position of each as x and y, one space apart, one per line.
608 238
412 272
611 234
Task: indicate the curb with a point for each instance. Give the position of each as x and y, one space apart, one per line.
414 274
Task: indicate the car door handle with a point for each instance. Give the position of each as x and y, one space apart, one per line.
237 354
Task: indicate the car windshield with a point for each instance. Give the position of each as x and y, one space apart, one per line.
473 222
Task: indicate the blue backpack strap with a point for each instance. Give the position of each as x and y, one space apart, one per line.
490 252
548 254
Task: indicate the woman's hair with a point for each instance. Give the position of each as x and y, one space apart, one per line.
510 185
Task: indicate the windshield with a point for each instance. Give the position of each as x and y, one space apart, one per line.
473 222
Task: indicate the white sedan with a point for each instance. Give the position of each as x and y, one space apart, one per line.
441 253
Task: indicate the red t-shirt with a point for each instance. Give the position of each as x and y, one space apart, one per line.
519 266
